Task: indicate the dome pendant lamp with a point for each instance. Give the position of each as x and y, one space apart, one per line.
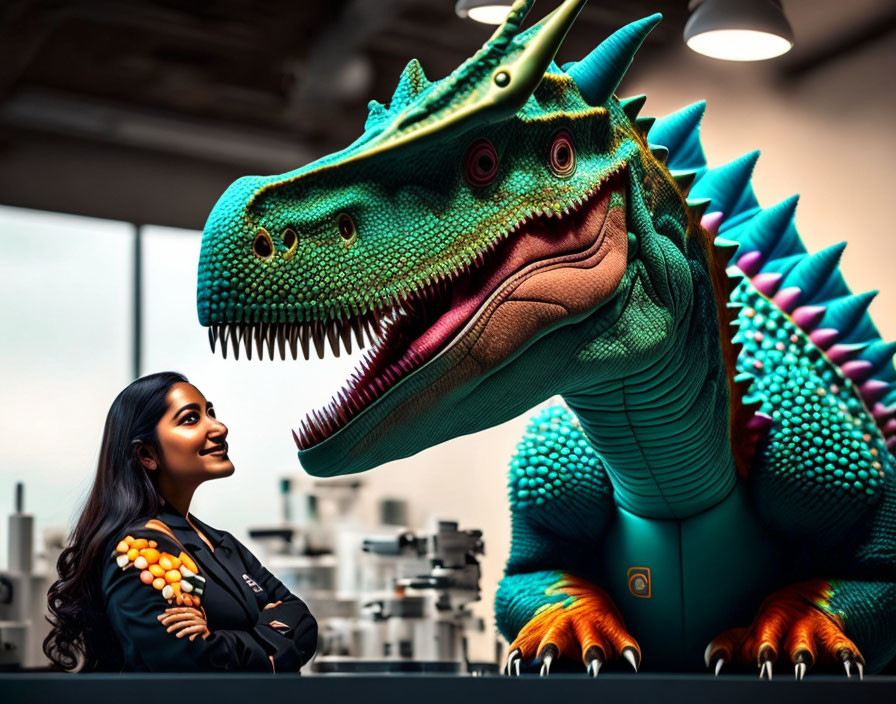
485 11
738 30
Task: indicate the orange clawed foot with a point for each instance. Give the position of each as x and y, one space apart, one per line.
586 625
791 624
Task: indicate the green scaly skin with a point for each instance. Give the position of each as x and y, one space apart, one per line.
490 290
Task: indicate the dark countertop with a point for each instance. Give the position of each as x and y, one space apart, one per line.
435 689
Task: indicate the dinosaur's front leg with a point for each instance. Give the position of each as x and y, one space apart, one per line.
569 618
561 501
815 623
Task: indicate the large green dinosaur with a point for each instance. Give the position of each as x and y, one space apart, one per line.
514 231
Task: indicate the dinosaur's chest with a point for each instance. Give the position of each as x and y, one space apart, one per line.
679 584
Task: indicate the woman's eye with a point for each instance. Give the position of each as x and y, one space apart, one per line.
189 418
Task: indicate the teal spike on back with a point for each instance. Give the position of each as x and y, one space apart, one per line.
729 189
599 73
814 271
784 265
848 315
771 231
680 132
880 355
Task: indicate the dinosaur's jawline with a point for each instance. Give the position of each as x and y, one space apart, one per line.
436 320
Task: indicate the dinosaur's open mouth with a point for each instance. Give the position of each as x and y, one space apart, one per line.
432 320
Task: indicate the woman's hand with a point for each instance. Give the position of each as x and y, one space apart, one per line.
271 606
185 621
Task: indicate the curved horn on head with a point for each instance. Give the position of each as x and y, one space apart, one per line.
599 73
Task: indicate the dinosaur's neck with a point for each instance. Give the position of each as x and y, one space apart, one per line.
663 429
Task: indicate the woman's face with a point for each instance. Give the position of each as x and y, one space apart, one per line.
192 441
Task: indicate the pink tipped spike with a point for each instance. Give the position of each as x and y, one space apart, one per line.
759 421
767 283
824 337
839 354
751 263
712 222
857 369
787 298
882 412
890 427
807 317
296 438
873 389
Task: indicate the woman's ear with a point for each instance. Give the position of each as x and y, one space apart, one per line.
148 458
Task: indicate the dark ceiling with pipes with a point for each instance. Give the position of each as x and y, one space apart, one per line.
219 89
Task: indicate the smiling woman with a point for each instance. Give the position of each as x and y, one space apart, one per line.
146 586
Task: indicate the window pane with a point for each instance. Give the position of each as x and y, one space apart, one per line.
67 348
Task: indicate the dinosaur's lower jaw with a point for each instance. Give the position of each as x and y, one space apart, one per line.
488 314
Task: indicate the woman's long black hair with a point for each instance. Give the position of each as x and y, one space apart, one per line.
122 492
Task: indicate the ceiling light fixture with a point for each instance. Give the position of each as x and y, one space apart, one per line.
485 11
738 30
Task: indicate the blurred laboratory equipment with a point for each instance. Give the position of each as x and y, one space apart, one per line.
23 591
386 598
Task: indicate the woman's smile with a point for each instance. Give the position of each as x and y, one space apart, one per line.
219 450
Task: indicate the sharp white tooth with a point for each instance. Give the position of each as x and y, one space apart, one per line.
258 334
270 334
333 337
236 336
294 340
247 343
212 338
318 338
305 338
281 340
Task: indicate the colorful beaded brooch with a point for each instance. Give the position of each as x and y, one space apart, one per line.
176 577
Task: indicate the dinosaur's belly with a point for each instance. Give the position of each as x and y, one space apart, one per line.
679 583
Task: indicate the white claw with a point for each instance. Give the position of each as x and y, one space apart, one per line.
516 666
719 663
629 655
861 668
546 666
766 669
800 670
515 654
594 667
846 666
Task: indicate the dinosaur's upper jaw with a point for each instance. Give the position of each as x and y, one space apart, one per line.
523 272
454 315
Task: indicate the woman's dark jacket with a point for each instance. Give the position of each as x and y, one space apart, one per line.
234 589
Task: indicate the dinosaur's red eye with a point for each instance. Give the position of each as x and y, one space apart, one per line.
262 245
481 164
563 156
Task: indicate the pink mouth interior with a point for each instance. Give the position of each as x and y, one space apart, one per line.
540 239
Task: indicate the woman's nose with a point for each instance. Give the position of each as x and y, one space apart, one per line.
218 428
